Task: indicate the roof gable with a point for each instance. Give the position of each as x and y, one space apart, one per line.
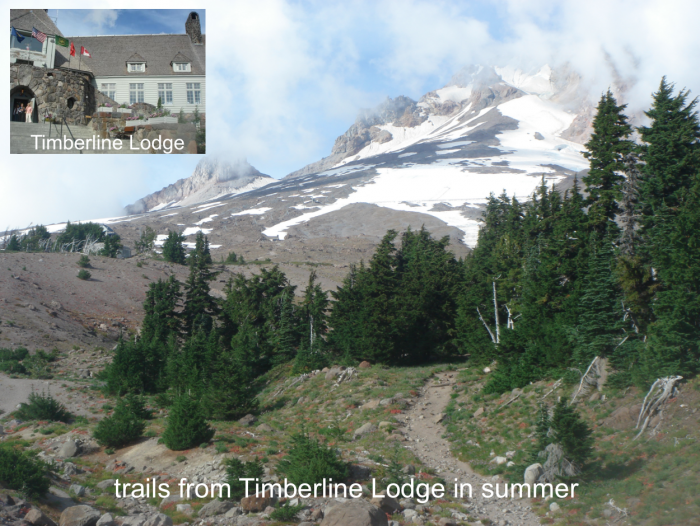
136 58
180 58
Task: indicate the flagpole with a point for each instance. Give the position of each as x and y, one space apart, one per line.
81 58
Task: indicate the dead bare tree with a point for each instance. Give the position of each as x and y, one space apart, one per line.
584 378
495 338
660 392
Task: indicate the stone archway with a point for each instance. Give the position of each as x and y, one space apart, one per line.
22 95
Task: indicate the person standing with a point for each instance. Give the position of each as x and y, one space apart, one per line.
28 111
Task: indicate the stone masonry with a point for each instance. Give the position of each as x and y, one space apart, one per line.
57 91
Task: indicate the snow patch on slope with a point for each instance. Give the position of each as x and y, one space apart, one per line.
420 188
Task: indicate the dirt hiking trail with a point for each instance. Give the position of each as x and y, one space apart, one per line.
424 439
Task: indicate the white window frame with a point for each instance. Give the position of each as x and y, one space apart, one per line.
109 89
136 67
194 92
165 93
181 67
136 93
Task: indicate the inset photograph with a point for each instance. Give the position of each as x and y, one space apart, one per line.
129 82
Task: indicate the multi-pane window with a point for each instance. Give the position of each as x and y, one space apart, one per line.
136 67
109 89
181 66
29 43
165 93
135 93
194 93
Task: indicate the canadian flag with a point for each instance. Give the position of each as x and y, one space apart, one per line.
85 52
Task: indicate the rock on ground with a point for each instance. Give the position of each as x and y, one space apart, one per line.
79 516
36 517
356 512
215 507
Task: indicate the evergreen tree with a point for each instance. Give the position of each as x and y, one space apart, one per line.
122 427
286 336
13 245
136 367
607 148
112 246
572 433
161 319
673 346
669 151
544 422
600 326
173 249
200 307
230 386
255 304
186 426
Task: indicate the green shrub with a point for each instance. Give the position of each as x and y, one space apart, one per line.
180 458
286 513
310 462
43 407
84 261
220 447
119 429
19 354
22 471
12 367
231 258
84 274
236 469
186 425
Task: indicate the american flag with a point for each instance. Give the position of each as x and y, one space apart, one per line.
38 35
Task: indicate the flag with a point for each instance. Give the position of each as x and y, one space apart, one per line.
85 52
38 35
72 49
60 41
15 34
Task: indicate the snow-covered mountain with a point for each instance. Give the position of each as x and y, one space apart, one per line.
429 162
488 130
211 179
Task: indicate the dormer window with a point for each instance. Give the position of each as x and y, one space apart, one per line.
181 63
136 64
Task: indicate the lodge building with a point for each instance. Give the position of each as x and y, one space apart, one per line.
121 69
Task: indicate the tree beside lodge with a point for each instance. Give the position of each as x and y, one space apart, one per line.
70 77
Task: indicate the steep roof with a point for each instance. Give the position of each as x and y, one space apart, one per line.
111 53
28 18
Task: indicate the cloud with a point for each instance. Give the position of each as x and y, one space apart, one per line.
102 18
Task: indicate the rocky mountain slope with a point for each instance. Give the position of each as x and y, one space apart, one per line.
211 179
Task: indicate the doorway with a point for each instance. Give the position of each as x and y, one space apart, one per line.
20 98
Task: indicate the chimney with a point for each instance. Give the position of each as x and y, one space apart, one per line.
193 29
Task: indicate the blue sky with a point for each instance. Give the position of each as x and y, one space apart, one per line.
90 22
285 78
